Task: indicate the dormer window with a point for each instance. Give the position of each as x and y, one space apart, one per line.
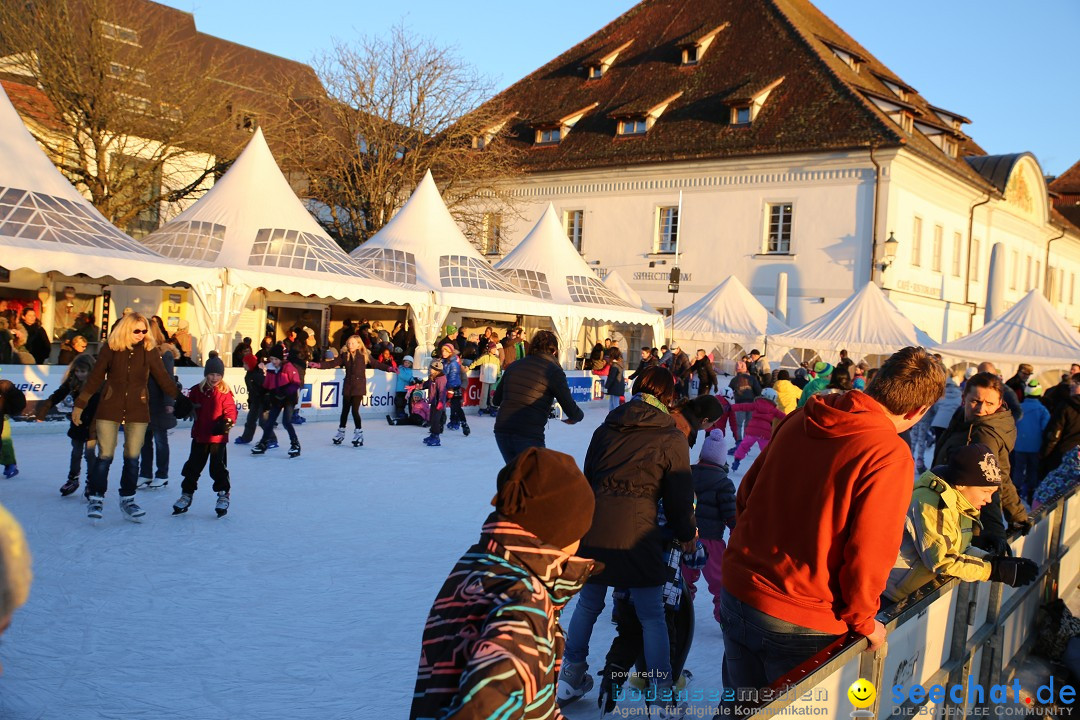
595 69
634 121
481 141
690 55
905 120
633 127
852 59
553 132
740 115
951 119
745 108
549 136
596 72
694 48
949 146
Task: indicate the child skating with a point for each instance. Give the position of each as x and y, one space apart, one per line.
763 412
214 414
436 389
83 441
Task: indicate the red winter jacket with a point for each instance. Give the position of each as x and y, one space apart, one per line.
727 418
763 412
211 405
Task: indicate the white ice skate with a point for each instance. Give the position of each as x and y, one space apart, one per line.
94 505
222 505
358 438
339 436
130 510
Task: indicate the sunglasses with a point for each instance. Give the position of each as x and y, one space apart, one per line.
139 332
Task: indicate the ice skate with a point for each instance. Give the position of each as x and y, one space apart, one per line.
259 449
182 505
735 464
465 429
11 470
453 426
130 510
666 705
390 420
157 483
294 450
94 505
358 438
433 441
339 436
272 445
143 482
574 682
69 487
611 682
222 505
241 441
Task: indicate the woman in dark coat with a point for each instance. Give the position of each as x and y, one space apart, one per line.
162 419
354 359
37 340
125 364
636 459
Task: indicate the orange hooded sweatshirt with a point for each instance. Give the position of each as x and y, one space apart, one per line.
820 516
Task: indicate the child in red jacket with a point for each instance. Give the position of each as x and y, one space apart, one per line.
759 430
214 412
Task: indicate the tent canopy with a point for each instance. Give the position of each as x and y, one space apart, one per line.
1031 331
252 223
46 225
867 323
728 314
615 282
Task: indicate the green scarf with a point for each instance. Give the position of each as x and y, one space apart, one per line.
654 401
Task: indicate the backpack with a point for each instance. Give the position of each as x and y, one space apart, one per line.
489 373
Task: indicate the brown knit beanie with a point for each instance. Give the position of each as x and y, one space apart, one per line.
546 493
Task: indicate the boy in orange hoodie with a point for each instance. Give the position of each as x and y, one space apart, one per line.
819 524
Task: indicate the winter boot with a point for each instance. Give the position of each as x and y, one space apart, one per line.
465 429
70 486
259 449
130 510
433 441
339 436
294 450
574 682
182 505
735 464
390 420
222 506
94 504
358 438
157 483
11 470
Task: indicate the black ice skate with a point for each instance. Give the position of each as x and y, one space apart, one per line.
294 450
222 505
70 486
182 505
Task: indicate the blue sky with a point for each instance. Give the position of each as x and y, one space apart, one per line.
1005 65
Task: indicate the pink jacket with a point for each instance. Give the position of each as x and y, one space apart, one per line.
286 381
761 420
211 405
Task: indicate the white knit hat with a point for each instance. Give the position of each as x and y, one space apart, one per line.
714 450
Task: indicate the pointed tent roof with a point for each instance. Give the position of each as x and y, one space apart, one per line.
1031 331
867 323
546 265
423 247
251 222
615 282
46 225
728 313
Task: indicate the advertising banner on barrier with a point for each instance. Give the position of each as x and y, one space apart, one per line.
320 397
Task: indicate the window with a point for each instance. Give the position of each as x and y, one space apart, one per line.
144 182
491 233
596 72
690 55
548 137
740 115
573 220
120 71
973 261
119 33
667 229
950 146
1014 273
1061 284
134 103
1037 281
916 243
172 112
957 248
637 126
907 122
480 142
778 240
361 144
1027 273
935 254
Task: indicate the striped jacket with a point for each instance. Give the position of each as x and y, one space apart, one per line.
937 540
492 645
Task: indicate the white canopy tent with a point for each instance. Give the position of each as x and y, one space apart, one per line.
546 265
423 248
1031 331
728 314
615 282
253 228
867 323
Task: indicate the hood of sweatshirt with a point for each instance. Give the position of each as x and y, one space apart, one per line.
831 416
636 415
1001 423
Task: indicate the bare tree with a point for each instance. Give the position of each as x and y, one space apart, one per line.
396 106
133 118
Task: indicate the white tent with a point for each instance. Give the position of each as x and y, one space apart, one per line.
1031 331
867 323
615 282
422 247
729 313
253 227
547 266
46 225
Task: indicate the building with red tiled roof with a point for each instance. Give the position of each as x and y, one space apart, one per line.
1066 190
767 141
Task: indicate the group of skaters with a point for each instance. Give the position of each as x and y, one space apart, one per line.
813 550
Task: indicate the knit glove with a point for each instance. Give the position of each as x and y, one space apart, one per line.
182 409
993 545
1015 572
1024 526
697 559
222 426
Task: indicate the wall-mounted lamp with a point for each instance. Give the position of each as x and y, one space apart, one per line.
593 262
654 263
888 252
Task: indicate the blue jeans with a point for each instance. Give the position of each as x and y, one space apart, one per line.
107 435
155 437
512 445
649 606
759 649
271 417
1025 473
81 449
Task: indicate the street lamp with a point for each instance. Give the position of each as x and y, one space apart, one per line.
888 252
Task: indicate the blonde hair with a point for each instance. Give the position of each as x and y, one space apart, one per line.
221 386
15 574
123 335
360 346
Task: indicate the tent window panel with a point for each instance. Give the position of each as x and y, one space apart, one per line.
590 290
32 232
12 196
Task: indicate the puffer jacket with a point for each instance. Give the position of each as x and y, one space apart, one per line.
815 386
937 540
124 374
492 644
211 405
944 408
404 378
1063 432
715 500
998 432
637 458
763 413
525 392
452 371
282 386
788 394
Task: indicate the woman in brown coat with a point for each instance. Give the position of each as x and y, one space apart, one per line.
355 359
124 366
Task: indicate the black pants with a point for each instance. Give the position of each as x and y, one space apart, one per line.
351 402
457 415
438 417
200 453
512 445
256 407
399 403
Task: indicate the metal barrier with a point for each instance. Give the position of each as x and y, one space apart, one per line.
948 633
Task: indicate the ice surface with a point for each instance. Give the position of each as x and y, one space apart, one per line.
307 600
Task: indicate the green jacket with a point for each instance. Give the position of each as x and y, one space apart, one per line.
937 540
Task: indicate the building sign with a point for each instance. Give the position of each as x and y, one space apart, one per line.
661 275
918 289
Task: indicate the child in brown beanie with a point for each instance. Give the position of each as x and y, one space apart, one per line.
492 643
